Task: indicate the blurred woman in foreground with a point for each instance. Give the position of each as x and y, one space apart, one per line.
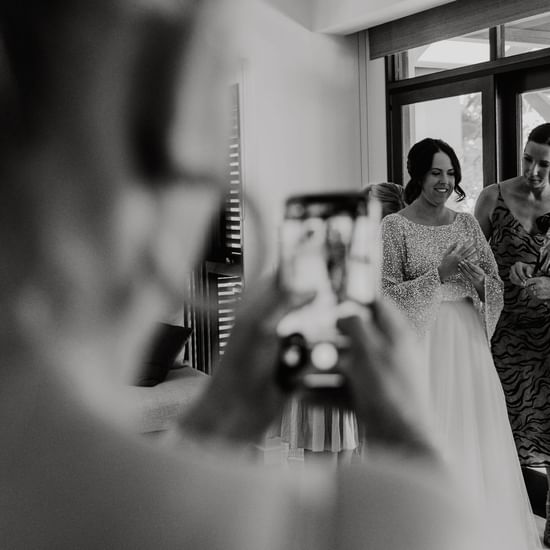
112 163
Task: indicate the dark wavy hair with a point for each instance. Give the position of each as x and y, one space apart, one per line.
419 163
540 134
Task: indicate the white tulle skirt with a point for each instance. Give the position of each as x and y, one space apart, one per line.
471 423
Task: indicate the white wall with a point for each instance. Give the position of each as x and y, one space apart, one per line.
373 121
301 119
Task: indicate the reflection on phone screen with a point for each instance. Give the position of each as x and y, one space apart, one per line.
332 250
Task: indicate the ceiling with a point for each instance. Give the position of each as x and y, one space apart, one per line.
347 16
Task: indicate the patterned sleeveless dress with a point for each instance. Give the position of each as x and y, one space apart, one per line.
521 341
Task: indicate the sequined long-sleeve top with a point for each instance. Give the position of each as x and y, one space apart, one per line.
411 255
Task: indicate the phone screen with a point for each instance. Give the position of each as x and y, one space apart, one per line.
330 245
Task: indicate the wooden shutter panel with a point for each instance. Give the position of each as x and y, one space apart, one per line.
232 227
219 279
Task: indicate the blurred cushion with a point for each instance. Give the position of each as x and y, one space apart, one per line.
166 345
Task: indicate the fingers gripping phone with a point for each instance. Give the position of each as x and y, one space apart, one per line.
329 245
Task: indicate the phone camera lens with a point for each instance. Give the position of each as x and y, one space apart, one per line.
324 356
292 356
293 352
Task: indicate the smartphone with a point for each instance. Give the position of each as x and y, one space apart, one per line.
329 244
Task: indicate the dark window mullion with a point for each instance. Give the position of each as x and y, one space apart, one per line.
497 42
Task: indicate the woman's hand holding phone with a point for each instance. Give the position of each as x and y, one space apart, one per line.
372 343
243 397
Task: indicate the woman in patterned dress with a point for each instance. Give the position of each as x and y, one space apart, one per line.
508 213
440 271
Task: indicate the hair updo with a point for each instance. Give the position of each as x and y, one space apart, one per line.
540 134
389 194
419 163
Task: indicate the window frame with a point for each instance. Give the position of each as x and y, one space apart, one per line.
439 91
500 81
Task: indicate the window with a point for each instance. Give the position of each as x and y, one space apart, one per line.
458 120
484 109
459 113
446 54
527 35
535 109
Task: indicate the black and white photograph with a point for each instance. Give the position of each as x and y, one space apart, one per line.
275 275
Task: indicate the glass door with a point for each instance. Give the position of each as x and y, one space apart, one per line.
535 109
524 103
456 114
458 121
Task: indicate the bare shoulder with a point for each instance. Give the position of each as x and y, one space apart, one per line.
488 196
485 205
510 188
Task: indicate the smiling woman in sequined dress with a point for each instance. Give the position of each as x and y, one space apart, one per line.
440 271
